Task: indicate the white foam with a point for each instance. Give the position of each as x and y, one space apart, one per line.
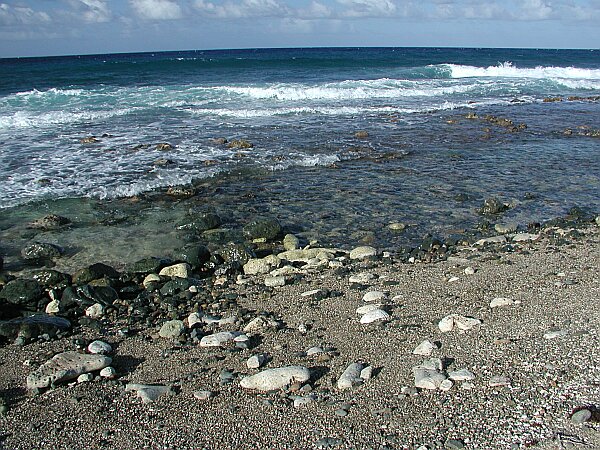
24 119
507 69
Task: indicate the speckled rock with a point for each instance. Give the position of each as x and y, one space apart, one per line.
99 348
65 366
363 252
172 329
274 379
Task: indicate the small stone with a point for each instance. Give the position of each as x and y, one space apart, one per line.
362 278
274 379
367 308
203 395
461 322
374 316
454 444
148 393
525 237
193 319
497 381
256 361
469 271
505 228
397 226
581 416
172 329
446 324
315 294
314 351
53 307
461 375
467 386
555 334
501 301
181 270
85 377
219 339
151 278
99 348
351 376
374 296
446 385
96 311
277 281
363 252
492 240
341 412
453 279
366 373
108 372
425 348
302 401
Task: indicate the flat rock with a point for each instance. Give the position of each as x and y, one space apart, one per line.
492 240
306 255
581 416
363 252
351 376
425 348
171 329
277 281
274 379
364 309
256 361
148 392
525 237
220 339
375 315
452 321
501 301
461 375
65 366
374 296
181 270
203 395
362 278
553 334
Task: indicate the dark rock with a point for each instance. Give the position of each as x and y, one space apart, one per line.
94 272
240 143
235 252
202 222
49 278
229 269
50 222
148 265
263 228
1 263
21 292
33 326
174 286
41 250
195 255
493 206
88 295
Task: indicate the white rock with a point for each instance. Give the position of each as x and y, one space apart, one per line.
302 401
374 296
96 311
467 386
203 395
427 378
85 377
363 252
274 379
461 322
181 270
525 237
171 329
193 319
306 255
219 321
262 265
453 279
446 385
374 316
491 240
469 271
446 324
65 366
555 334
368 308
461 375
108 372
351 376
147 392
219 339
256 361
432 364
366 373
362 278
497 380
260 324
151 278
53 307
275 281
501 301
314 351
99 348
241 338
291 242
425 348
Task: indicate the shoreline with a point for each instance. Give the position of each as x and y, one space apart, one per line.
545 345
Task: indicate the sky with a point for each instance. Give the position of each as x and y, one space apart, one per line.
68 27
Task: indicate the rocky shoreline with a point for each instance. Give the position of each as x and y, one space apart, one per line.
485 340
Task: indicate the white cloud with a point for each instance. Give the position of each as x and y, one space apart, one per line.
244 9
21 15
368 8
92 11
157 9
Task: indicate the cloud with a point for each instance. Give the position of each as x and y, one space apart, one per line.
157 9
92 11
244 9
21 15
368 8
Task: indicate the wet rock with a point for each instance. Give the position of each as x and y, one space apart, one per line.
375 315
147 265
240 144
262 228
164 146
181 270
202 222
94 272
33 326
172 329
66 366
49 222
148 392
361 134
397 226
275 379
493 206
88 295
363 252
41 251
21 292
49 278
195 255
89 140
236 253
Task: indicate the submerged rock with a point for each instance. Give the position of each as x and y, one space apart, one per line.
267 228
21 292
49 222
41 250
274 379
493 206
65 366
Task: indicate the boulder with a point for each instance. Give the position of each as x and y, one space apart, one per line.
41 250
267 228
21 292
94 272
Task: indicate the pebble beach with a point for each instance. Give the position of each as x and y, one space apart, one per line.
488 344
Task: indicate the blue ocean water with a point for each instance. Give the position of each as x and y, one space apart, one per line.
301 108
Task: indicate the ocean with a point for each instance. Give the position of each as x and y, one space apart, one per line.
344 141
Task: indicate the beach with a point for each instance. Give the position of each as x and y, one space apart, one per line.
531 361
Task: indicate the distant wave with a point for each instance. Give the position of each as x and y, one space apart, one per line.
507 69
